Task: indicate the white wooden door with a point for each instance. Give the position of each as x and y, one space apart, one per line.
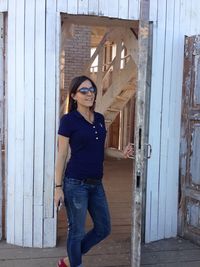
189 199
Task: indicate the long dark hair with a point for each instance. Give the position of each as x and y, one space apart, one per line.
75 83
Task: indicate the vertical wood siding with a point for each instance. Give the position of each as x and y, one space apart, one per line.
3 5
124 9
50 118
19 119
11 123
33 74
1 112
172 20
31 123
29 111
33 108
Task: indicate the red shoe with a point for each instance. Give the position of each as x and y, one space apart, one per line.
61 263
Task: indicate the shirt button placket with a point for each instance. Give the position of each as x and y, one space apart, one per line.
97 138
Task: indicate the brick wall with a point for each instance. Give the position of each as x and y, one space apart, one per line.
76 55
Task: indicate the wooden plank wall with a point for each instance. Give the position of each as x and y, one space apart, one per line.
123 9
31 122
172 20
3 5
32 115
1 112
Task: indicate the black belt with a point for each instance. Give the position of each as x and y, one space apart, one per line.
91 181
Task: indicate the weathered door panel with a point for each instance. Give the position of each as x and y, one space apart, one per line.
189 208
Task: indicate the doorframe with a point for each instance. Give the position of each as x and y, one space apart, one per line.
141 135
141 125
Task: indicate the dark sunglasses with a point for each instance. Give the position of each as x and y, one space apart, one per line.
85 90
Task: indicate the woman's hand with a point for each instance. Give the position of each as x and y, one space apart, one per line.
58 196
128 151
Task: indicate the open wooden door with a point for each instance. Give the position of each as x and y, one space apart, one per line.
189 207
142 148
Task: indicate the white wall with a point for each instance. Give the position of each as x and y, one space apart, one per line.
31 122
3 5
32 98
33 86
124 9
172 20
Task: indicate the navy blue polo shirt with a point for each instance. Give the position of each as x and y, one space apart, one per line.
86 141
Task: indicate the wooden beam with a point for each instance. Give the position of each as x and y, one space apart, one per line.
99 21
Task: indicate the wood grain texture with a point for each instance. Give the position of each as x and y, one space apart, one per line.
2 68
50 117
39 122
3 5
29 118
10 217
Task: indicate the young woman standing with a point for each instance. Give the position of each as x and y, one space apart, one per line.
82 190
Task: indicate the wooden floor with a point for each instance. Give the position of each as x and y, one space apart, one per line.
115 250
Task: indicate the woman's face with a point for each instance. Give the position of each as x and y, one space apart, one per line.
84 97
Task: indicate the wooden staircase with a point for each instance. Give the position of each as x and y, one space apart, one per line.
116 80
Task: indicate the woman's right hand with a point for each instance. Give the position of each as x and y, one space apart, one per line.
58 196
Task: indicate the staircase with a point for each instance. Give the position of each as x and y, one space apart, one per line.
116 80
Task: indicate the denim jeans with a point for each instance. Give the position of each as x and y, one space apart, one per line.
80 198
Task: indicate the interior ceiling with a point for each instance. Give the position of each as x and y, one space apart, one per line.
98 25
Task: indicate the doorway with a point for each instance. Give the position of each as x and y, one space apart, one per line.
107 51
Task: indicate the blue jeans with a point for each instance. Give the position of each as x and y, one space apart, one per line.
80 198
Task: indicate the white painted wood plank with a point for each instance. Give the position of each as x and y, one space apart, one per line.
57 89
174 123
105 5
29 121
83 7
1 194
19 184
153 170
194 17
3 5
1 112
175 108
38 222
165 194
134 9
93 8
123 9
39 121
62 6
73 7
6 113
113 11
50 232
153 10
10 218
186 10
50 123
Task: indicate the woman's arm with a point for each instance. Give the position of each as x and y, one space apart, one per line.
115 153
62 152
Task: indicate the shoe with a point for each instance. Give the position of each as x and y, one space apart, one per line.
61 263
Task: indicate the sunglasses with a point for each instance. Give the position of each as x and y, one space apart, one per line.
85 90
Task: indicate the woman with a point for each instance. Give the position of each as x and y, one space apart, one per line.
82 190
